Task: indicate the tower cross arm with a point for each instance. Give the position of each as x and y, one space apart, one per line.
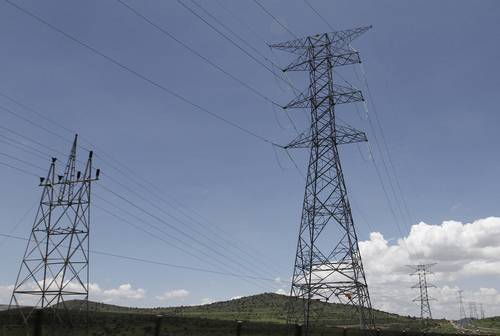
341 95
344 134
337 39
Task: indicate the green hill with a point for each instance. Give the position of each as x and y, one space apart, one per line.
490 324
267 307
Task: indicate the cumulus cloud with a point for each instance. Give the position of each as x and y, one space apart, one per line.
205 301
174 294
125 291
463 253
122 294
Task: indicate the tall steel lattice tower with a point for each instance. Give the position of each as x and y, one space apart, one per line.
422 271
328 263
462 314
55 266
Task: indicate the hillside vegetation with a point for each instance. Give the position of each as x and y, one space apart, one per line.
267 307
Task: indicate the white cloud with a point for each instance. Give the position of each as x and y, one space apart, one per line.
174 294
119 295
125 291
205 301
463 253
281 291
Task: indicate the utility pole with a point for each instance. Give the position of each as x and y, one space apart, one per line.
422 271
55 266
462 314
328 264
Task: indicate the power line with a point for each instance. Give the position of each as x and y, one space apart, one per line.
384 141
218 31
275 19
139 75
193 51
158 218
201 257
185 224
8 165
142 185
175 228
154 262
319 15
69 36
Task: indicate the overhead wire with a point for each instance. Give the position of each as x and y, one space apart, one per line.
235 262
156 236
175 228
140 75
264 9
140 184
57 29
172 239
154 262
195 52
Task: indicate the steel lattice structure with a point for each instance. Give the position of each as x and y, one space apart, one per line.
422 271
328 263
462 314
473 310
55 266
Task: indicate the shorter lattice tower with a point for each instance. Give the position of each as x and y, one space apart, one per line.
481 310
55 266
472 310
462 314
422 271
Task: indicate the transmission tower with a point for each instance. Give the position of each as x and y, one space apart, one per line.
461 307
55 266
328 263
481 310
473 310
422 271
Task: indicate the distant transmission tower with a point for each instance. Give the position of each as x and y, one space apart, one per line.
328 263
461 307
422 271
481 310
56 261
473 310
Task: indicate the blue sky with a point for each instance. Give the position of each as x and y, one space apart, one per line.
432 71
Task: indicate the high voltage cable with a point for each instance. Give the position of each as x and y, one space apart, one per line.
232 41
275 19
175 218
19 169
21 161
319 15
161 263
134 72
193 51
141 76
121 65
111 178
153 235
19 145
201 258
173 227
384 141
242 40
145 211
